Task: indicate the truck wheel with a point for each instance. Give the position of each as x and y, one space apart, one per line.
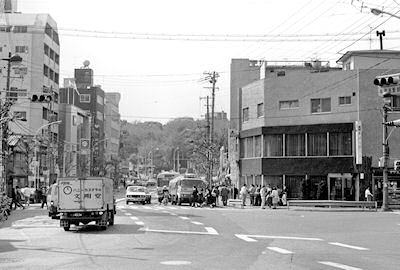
66 228
111 221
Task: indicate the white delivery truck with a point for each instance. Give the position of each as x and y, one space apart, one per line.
83 200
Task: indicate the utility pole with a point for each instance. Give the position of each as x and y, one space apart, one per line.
380 35
385 148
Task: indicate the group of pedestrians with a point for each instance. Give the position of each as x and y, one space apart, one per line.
264 195
20 196
209 196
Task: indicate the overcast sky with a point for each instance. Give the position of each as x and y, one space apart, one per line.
154 52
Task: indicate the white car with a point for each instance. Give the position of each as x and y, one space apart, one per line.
137 194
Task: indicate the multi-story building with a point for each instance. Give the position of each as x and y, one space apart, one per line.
316 130
90 98
112 131
35 39
74 136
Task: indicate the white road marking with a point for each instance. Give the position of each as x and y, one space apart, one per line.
340 266
141 223
134 218
146 207
133 207
211 230
184 218
396 212
119 200
171 207
280 250
175 262
348 246
128 214
166 212
173 214
249 238
199 223
179 232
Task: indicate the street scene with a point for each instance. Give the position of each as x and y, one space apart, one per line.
168 134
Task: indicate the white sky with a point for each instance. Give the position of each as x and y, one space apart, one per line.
159 79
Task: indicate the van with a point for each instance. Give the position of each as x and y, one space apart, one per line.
52 201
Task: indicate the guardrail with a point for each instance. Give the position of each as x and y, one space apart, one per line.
332 203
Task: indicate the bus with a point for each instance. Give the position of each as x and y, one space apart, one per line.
187 182
163 179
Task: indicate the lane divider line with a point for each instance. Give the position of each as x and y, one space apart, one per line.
340 266
280 250
141 223
211 231
249 238
347 246
180 232
134 218
184 218
197 223
128 214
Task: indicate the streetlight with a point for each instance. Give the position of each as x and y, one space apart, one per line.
377 12
37 175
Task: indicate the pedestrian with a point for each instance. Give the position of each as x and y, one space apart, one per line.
269 196
43 195
224 195
16 198
284 198
179 194
216 191
252 191
235 192
257 196
263 195
200 197
368 195
27 192
243 194
275 197
194 197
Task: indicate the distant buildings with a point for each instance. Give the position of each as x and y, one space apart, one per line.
314 129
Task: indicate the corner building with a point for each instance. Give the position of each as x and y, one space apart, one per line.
316 130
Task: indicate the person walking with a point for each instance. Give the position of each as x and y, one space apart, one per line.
269 196
252 191
263 195
43 196
27 195
368 195
16 196
257 196
275 197
194 197
224 195
243 194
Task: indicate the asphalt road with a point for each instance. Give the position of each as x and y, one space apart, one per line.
173 237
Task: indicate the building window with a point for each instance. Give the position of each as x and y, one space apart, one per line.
273 145
56 77
51 54
48 30
21 49
20 71
55 38
45 70
260 110
51 74
288 104
257 146
295 145
242 147
345 100
245 114
46 49
319 105
395 102
316 144
100 100
20 29
5 28
84 98
340 143
57 58
100 116
45 113
280 73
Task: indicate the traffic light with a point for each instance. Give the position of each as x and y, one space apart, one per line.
388 85
41 98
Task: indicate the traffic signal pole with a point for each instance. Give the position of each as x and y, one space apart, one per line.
385 148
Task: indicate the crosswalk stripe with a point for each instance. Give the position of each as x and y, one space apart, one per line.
340 266
280 250
146 207
184 218
197 223
171 207
348 246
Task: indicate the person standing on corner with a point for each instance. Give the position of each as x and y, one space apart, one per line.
243 194
263 194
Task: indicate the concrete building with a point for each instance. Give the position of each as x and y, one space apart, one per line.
33 37
316 130
112 131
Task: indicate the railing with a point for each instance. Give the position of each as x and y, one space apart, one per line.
332 203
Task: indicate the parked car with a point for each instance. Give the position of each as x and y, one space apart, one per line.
137 194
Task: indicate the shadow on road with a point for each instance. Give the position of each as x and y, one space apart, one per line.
6 246
115 229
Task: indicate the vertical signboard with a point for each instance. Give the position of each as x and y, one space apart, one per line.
358 138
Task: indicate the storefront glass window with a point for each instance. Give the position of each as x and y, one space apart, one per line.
273 145
295 145
317 144
340 144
